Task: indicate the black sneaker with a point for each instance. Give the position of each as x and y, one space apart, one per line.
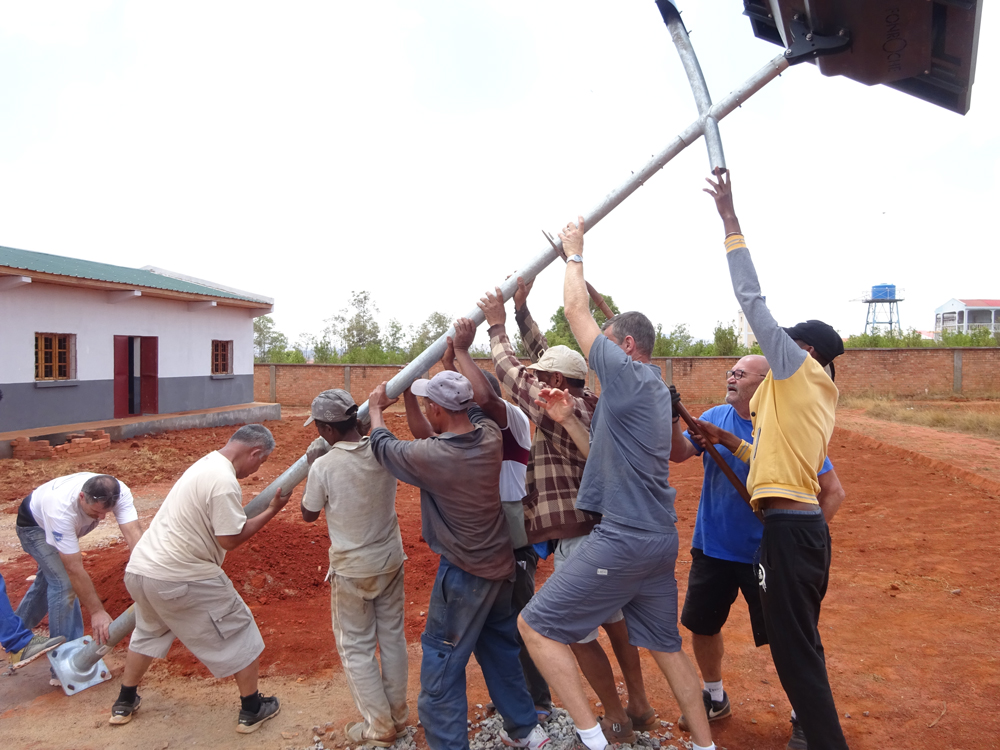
798 740
121 712
250 721
715 709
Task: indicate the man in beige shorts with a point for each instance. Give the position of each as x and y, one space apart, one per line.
366 567
175 577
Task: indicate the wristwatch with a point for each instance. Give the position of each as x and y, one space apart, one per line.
575 258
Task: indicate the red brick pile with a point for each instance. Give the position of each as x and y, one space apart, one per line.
79 443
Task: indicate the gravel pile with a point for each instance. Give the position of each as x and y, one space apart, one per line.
560 728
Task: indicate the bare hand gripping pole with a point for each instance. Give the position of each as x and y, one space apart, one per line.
78 664
423 362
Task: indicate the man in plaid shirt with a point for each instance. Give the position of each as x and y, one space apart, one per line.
555 468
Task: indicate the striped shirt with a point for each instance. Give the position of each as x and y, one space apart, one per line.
556 464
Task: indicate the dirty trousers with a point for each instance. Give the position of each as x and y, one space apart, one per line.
470 615
367 611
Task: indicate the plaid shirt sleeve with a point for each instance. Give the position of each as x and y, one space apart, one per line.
524 388
534 340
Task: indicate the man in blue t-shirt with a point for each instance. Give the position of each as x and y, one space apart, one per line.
726 532
627 561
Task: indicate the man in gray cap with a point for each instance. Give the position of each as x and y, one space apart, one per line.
555 469
366 566
458 473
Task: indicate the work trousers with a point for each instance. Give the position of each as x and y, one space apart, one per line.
13 635
470 615
51 592
793 572
366 612
526 560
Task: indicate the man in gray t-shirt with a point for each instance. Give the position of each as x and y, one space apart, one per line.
627 562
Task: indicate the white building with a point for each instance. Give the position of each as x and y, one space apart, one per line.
83 341
964 315
743 330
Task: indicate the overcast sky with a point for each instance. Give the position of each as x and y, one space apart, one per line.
416 149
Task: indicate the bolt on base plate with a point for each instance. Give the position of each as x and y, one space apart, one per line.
74 680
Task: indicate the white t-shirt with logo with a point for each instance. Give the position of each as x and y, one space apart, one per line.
56 509
180 544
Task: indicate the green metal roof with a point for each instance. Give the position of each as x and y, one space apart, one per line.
88 269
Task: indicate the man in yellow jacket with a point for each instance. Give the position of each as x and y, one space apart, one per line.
793 414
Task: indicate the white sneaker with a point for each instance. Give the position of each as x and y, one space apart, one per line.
535 740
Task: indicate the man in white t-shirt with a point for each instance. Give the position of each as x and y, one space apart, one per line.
50 522
175 577
516 452
366 566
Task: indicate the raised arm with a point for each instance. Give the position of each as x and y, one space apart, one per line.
483 393
532 337
783 354
559 406
576 299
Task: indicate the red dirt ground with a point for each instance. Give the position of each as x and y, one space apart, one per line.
909 622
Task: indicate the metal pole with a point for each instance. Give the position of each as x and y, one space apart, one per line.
713 139
423 362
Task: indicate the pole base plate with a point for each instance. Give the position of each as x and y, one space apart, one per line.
74 680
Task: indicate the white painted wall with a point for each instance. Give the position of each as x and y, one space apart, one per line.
185 336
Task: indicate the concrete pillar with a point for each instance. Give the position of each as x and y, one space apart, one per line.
274 384
957 377
347 378
668 372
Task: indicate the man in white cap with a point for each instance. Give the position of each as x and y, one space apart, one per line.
555 469
458 473
366 566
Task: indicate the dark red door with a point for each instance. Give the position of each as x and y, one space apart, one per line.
149 368
122 376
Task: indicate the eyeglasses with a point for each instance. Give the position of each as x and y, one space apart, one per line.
740 374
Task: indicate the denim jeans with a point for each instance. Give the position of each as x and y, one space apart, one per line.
467 615
13 635
51 592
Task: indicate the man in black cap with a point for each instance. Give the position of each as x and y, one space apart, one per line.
794 556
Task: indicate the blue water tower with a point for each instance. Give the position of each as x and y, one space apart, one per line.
883 308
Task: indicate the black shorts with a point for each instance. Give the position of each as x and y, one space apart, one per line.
712 588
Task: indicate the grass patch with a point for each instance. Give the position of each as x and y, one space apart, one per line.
978 418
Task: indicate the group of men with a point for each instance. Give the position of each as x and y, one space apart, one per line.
591 488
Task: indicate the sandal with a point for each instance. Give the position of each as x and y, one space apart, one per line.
645 722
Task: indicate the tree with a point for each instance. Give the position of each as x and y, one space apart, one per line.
675 345
355 326
429 332
268 341
727 342
560 332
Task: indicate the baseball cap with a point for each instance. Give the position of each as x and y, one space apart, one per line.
564 360
448 389
819 335
334 405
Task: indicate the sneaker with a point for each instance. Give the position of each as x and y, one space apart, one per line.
354 731
250 721
798 740
121 712
535 740
715 709
38 645
617 734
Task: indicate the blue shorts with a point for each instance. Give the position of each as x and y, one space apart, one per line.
617 567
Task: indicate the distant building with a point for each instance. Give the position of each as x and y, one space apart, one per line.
964 315
744 331
83 341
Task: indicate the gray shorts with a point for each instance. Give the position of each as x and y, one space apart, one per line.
616 567
208 617
565 548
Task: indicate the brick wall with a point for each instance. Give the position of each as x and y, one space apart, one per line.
888 372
